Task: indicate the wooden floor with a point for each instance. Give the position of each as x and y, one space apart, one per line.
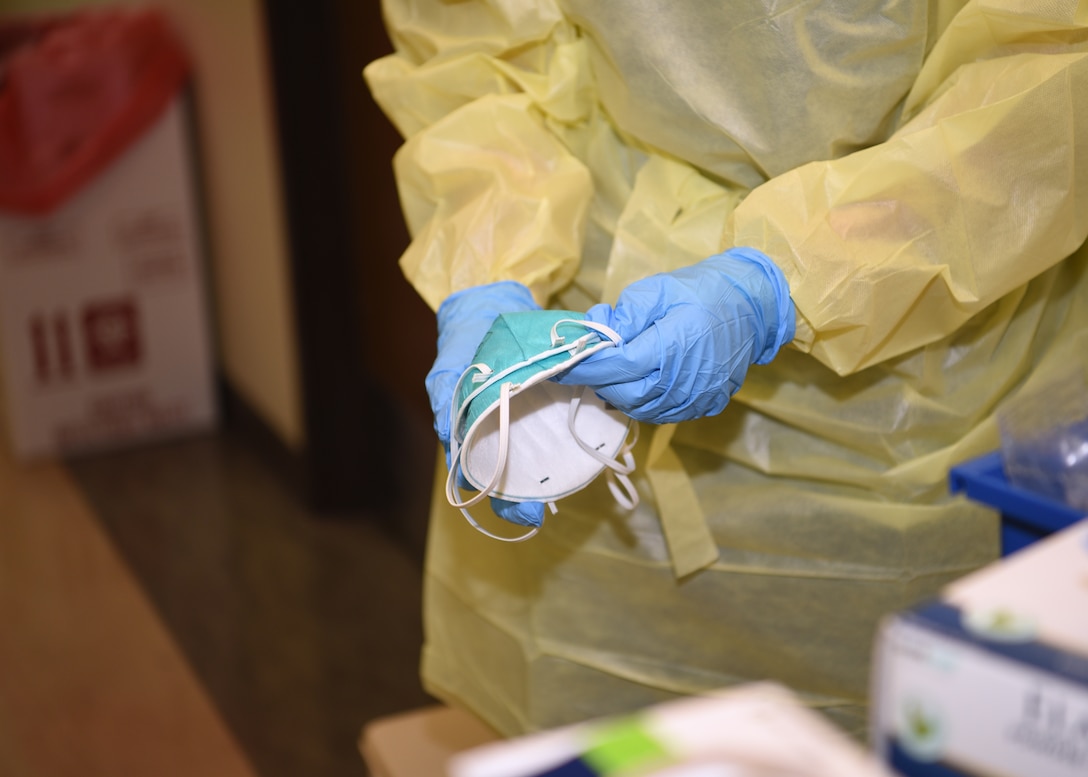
175 611
91 682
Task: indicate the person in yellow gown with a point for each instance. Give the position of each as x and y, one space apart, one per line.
910 180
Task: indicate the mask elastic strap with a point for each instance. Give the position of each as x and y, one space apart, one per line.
456 450
606 331
627 497
617 473
500 465
500 460
482 370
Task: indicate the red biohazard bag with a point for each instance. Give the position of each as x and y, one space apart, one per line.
75 91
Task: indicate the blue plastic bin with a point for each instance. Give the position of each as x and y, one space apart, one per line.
1025 516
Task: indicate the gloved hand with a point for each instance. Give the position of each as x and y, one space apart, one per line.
463 320
689 337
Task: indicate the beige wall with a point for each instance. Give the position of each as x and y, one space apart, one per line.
247 232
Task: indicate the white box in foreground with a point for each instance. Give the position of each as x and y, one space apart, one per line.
754 730
992 678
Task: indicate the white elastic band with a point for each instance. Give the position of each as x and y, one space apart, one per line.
611 334
500 465
616 472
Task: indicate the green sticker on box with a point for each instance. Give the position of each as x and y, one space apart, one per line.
623 745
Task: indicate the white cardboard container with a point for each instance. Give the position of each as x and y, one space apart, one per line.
758 729
991 678
104 326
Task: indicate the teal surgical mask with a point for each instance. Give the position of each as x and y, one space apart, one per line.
517 436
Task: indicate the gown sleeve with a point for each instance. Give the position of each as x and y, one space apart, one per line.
983 187
488 191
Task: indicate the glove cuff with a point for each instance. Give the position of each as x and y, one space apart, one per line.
783 319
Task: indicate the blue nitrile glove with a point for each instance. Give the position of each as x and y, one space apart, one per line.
463 320
689 337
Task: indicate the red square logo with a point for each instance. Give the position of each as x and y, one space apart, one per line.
111 335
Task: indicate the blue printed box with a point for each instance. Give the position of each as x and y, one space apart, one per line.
991 679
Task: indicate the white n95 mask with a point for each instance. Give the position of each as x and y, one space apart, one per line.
516 436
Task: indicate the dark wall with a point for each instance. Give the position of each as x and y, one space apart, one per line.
398 327
389 299
365 338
